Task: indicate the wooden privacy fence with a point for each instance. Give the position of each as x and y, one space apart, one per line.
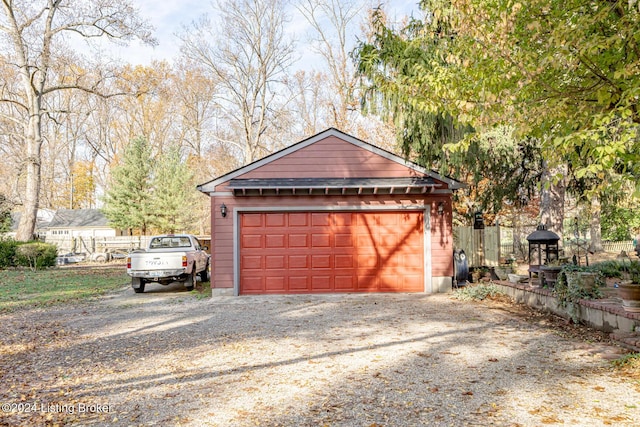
482 246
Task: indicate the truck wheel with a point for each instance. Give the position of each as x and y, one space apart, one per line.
138 285
190 282
204 274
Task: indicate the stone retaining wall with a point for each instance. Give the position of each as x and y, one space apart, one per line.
604 314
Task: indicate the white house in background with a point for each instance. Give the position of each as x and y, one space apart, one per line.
43 218
72 223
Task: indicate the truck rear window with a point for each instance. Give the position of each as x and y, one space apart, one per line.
170 242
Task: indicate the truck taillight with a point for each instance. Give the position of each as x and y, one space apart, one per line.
184 261
129 262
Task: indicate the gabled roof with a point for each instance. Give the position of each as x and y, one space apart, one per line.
72 218
210 186
43 217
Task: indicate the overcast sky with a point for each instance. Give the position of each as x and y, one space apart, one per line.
168 17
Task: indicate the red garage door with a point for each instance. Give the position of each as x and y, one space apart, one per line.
306 252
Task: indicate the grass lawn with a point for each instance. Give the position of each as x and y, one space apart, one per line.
25 288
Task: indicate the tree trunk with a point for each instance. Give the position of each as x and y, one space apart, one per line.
594 224
27 225
552 197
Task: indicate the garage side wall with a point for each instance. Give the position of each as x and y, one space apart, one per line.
440 262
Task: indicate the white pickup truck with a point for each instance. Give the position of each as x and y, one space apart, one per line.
169 258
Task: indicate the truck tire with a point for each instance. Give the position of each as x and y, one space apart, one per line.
190 282
204 274
138 285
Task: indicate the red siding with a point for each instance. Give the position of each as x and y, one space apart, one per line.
331 158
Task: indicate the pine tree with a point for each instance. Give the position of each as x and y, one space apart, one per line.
127 202
5 214
172 199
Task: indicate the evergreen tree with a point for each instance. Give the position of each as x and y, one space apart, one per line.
127 202
172 197
5 214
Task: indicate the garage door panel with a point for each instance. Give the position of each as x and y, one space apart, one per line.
275 240
366 283
320 219
252 284
274 262
367 261
299 261
252 262
299 283
386 221
392 261
388 241
321 240
389 282
343 240
298 240
344 283
342 219
298 219
321 283
412 243
252 241
343 261
411 282
276 283
252 220
412 262
302 252
275 220
320 261
365 241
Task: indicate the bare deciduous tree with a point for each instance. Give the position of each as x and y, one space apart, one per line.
331 21
33 40
248 52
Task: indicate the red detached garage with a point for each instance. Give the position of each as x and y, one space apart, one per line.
331 214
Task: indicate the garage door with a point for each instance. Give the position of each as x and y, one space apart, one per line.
309 252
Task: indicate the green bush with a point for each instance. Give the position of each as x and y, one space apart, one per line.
7 253
621 269
36 255
609 268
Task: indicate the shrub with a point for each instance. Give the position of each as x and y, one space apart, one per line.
609 268
36 255
7 253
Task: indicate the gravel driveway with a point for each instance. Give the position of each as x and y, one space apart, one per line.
165 358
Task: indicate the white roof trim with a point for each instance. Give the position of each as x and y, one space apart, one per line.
209 187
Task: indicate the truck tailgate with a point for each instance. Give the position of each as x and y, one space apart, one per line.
156 261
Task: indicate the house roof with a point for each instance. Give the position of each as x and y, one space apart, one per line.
71 218
209 187
43 217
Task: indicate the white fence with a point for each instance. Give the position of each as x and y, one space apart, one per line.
617 247
90 245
